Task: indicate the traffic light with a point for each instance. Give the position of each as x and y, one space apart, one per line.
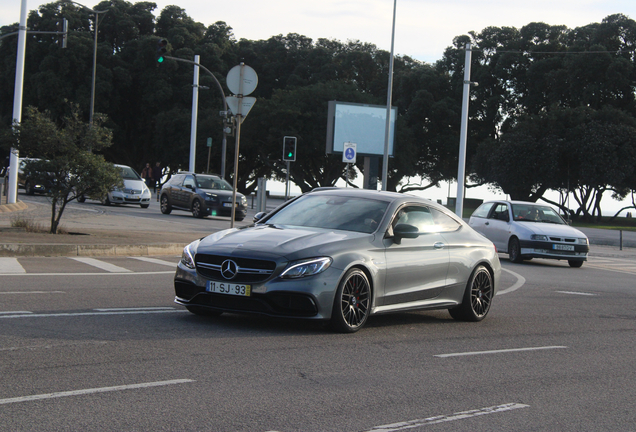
289 149
161 49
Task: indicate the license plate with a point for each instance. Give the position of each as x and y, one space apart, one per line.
229 288
132 196
227 204
563 247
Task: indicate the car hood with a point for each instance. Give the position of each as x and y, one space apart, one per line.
224 193
552 229
274 241
134 184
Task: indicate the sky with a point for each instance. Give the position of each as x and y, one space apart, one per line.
424 28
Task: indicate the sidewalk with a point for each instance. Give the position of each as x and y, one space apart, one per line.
92 233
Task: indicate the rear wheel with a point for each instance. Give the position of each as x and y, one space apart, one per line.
352 304
477 297
28 188
166 208
575 264
81 199
514 250
197 209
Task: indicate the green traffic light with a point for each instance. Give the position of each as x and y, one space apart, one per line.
290 154
160 59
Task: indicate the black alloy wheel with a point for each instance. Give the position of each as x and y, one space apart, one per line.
352 303
477 297
197 210
166 208
514 250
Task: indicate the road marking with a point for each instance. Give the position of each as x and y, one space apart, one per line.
11 265
447 418
499 351
156 261
126 273
102 265
33 292
161 308
520 281
75 314
577 293
92 391
15 312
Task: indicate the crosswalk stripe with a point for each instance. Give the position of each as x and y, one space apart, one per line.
11 265
156 261
102 265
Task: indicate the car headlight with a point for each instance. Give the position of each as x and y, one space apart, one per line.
210 196
307 267
583 241
539 237
187 257
244 200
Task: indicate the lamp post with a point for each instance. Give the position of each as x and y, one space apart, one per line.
96 12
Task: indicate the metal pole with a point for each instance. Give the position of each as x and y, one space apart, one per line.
461 171
195 106
287 183
14 160
387 128
92 107
239 120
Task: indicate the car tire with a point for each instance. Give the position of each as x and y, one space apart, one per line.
106 201
477 297
144 205
203 311
81 199
514 250
197 210
166 208
575 264
28 189
352 304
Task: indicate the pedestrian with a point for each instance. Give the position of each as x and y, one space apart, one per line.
156 175
146 174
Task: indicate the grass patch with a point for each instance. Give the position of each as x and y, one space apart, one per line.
19 220
619 223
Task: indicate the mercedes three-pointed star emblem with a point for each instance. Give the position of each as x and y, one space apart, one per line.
229 269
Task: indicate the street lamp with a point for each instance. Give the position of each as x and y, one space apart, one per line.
96 12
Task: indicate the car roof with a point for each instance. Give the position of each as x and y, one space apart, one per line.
199 174
517 202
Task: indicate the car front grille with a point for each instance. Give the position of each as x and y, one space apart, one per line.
247 270
563 239
132 191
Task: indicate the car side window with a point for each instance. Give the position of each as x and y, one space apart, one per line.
483 210
444 222
425 219
176 180
189 181
500 212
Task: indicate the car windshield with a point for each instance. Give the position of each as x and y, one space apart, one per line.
332 212
535 213
209 182
127 173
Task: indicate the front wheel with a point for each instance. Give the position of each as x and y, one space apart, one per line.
197 210
144 205
514 250
166 208
575 264
477 297
106 201
352 304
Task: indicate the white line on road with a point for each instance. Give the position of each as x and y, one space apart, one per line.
15 312
520 281
499 351
162 308
11 265
447 418
33 292
76 314
92 391
127 273
577 293
156 261
101 265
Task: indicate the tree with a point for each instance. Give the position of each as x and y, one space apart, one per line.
67 163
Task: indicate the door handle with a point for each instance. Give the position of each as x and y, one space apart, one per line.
439 245
487 223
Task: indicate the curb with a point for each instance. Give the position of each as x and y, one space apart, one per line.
48 250
6 208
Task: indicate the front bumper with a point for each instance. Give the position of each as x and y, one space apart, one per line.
550 250
117 197
309 298
214 209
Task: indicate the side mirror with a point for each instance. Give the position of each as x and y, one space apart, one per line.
258 216
405 231
189 186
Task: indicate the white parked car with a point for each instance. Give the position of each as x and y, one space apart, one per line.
134 191
526 230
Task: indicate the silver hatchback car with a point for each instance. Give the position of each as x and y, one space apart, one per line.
342 255
526 230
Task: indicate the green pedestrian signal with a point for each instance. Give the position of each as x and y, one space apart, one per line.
289 149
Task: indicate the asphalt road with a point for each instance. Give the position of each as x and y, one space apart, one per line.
99 345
